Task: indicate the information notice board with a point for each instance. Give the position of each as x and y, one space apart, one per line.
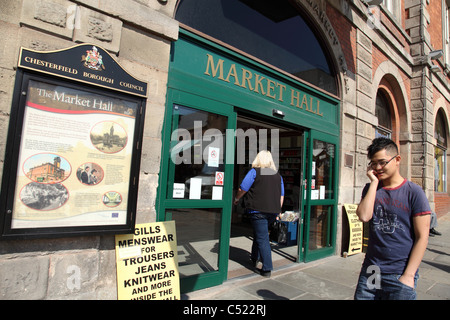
74 158
147 263
73 148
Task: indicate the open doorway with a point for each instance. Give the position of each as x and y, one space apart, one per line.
286 145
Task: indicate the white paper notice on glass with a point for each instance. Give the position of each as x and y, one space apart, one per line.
314 194
213 157
195 189
217 193
322 192
178 190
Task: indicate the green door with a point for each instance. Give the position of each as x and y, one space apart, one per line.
303 201
197 186
206 82
320 205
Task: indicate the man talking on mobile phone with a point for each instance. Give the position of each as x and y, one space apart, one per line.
398 213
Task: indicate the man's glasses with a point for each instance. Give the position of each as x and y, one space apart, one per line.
381 163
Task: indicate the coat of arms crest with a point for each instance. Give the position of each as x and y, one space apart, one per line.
93 59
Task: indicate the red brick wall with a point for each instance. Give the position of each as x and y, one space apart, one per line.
435 26
442 200
346 33
347 36
442 203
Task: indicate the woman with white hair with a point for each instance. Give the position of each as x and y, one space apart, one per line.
264 194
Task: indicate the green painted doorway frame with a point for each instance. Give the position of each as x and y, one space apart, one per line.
190 86
166 204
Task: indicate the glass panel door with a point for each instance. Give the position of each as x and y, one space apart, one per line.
303 197
197 152
320 211
195 186
198 241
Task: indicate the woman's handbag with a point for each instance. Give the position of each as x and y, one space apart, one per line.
278 232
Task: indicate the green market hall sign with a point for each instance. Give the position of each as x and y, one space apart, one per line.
252 81
208 70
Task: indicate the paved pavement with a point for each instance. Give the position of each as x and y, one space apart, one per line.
334 278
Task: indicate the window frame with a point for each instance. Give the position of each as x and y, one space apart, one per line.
441 145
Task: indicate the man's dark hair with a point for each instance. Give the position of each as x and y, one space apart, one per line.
379 144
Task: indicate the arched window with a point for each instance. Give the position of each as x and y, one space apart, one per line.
440 154
383 113
270 30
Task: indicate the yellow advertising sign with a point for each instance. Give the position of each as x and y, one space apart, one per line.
147 263
356 229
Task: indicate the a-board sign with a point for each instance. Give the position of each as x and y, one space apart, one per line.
147 263
356 230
